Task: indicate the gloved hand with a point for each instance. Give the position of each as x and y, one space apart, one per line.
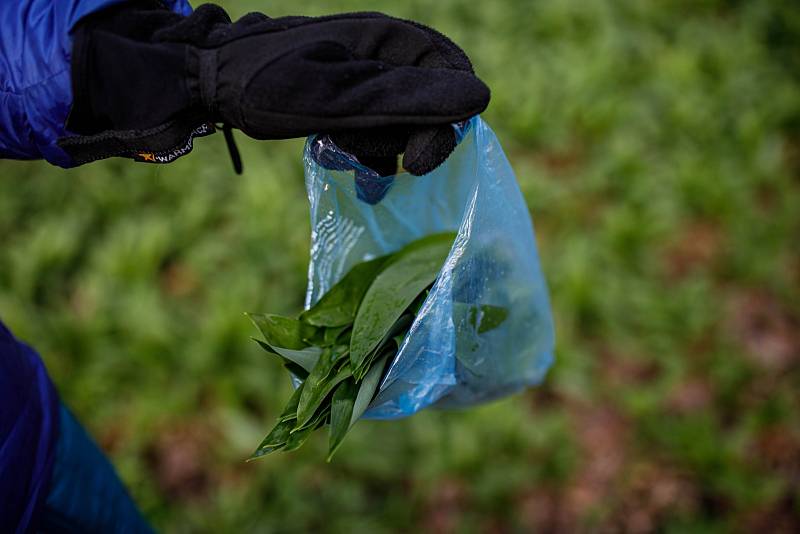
147 80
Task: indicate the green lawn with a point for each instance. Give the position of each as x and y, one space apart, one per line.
658 147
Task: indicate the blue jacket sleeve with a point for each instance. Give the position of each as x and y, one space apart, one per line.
35 87
28 434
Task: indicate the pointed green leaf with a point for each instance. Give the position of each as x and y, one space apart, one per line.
340 352
296 439
419 301
338 306
291 406
481 317
275 440
265 346
283 332
394 289
367 389
398 339
319 384
314 336
295 369
305 358
424 242
386 346
488 317
332 334
317 376
305 412
280 433
341 412
344 337
278 436
300 371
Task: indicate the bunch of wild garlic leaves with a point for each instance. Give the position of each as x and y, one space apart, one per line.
339 348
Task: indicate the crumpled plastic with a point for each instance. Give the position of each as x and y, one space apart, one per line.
446 359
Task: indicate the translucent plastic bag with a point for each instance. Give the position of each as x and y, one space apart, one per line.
447 358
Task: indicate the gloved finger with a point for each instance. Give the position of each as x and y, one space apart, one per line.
383 165
424 149
372 142
376 148
427 148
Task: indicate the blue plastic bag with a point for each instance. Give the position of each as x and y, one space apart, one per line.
446 359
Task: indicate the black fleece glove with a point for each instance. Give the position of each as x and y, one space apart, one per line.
147 80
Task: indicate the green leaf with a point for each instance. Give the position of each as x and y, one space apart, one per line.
332 334
367 389
341 412
483 318
282 332
338 306
295 369
319 384
377 300
299 436
344 336
424 242
317 376
419 301
275 440
305 358
322 392
323 409
340 351
490 317
472 321
280 433
264 345
402 280
388 344
290 410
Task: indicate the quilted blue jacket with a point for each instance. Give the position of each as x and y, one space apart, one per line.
35 89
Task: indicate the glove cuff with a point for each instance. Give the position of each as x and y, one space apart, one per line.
134 97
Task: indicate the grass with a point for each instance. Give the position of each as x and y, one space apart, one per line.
658 147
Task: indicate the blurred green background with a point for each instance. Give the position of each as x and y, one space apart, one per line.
658 147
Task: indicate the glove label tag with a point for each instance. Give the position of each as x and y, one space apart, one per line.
170 155
161 144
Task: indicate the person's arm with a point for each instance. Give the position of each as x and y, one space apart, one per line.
146 80
35 73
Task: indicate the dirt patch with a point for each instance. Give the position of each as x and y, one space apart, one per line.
445 506
696 247
181 460
690 396
654 492
768 334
